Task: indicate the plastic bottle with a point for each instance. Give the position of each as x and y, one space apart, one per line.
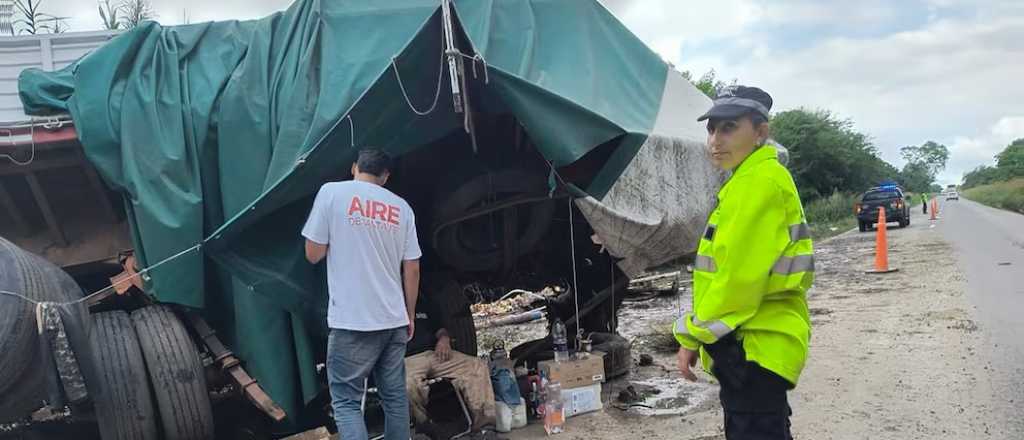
533 400
554 409
559 341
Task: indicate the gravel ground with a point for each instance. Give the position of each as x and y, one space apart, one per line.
894 356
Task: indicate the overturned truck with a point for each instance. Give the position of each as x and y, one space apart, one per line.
168 172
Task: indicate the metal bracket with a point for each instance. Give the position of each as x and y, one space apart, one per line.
233 367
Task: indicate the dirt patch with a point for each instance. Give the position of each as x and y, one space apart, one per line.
893 360
893 356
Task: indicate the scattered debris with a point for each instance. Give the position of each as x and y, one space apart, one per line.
515 301
818 311
519 318
646 360
664 396
647 287
659 338
966 325
629 395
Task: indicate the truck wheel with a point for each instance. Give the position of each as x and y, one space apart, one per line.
459 318
125 407
468 246
22 382
176 373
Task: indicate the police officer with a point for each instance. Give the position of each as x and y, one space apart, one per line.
750 325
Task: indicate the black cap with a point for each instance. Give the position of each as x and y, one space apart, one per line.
735 101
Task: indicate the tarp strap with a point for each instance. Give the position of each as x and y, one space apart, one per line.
475 58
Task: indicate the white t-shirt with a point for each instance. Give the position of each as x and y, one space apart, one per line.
369 232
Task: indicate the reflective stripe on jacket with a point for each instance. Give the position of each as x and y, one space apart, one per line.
754 266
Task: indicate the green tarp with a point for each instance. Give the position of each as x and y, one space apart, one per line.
218 134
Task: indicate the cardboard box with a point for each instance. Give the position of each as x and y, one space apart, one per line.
574 373
582 400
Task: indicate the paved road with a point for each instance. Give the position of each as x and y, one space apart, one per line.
989 244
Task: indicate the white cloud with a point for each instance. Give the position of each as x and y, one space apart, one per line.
981 149
666 25
946 80
949 79
836 14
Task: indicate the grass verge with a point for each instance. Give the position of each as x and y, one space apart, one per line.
1008 195
832 215
821 231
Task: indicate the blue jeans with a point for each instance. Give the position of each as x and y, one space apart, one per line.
351 357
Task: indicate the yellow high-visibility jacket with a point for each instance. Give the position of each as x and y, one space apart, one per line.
754 266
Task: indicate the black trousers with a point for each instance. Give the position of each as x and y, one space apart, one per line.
753 398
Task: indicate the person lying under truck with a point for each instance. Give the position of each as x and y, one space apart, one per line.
429 355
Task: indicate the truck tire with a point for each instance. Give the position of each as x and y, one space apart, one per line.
453 242
458 319
22 382
176 373
125 408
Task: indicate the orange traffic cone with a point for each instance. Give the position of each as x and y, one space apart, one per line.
881 247
935 209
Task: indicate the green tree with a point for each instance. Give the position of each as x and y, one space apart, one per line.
134 12
916 177
924 162
1010 162
108 13
982 175
932 155
708 82
827 154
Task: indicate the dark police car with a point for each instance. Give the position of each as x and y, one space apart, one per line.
889 196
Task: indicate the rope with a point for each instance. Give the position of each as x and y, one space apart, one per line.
405 94
572 251
480 58
96 293
615 315
352 129
575 285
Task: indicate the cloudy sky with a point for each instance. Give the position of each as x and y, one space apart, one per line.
904 71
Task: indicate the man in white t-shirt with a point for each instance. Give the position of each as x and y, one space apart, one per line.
368 235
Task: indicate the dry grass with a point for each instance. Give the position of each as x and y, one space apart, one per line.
1007 195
